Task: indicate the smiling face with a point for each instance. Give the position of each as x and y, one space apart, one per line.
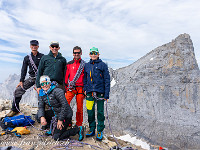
54 49
77 54
94 55
45 85
34 48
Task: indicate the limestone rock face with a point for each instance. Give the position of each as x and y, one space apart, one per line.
158 96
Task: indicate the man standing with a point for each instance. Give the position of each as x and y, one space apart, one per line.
31 61
52 65
97 88
74 84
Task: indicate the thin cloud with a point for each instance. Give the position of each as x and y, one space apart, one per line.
120 29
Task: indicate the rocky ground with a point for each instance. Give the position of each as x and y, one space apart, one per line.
38 141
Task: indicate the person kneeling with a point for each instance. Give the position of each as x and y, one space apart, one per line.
62 113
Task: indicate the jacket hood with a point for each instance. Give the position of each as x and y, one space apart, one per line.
43 93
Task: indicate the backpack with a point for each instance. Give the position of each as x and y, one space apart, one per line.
16 121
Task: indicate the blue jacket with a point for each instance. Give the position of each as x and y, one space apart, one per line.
96 77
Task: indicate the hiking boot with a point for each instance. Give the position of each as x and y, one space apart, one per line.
99 136
90 133
81 133
11 113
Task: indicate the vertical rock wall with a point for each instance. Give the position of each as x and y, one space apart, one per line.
157 97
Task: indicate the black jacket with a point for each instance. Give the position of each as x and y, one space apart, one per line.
26 64
56 100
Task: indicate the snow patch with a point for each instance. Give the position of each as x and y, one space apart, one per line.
134 141
113 82
151 59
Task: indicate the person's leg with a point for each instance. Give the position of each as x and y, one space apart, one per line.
63 133
100 117
69 96
20 91
100 114
90 104
79 101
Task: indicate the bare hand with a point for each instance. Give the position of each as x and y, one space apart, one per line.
38 90
43 121
85 93
60 125
20 84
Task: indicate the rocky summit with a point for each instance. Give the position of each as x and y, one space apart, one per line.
157 97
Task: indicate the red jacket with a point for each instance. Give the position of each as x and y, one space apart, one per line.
72 68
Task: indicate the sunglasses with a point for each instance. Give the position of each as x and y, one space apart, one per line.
44 83
76 52
54 46
95 53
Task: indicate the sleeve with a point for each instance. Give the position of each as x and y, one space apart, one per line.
66 111
40 72
85 79
66 76
41 108
24 69
106 76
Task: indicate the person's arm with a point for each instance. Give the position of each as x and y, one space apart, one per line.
66 76
24 69
41 109
85 80
66 111
106 77
40 72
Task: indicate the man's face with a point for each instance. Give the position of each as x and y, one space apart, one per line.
34 47
77 54
54 49
45 85
94 55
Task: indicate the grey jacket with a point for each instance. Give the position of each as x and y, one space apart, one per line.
56 100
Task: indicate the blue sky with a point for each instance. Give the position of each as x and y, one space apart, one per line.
123 30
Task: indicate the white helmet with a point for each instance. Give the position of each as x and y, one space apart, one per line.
44 78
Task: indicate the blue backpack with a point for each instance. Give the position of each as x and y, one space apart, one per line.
16 121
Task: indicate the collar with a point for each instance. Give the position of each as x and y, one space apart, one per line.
77 61
43 93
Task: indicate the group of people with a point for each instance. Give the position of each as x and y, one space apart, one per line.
58 82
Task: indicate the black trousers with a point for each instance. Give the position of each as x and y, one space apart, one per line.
19 92
63 133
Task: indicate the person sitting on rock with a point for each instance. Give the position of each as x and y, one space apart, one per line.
97 88
59 109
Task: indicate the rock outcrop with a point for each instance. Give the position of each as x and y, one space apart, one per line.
157 97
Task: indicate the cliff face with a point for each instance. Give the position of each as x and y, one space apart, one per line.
157 97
